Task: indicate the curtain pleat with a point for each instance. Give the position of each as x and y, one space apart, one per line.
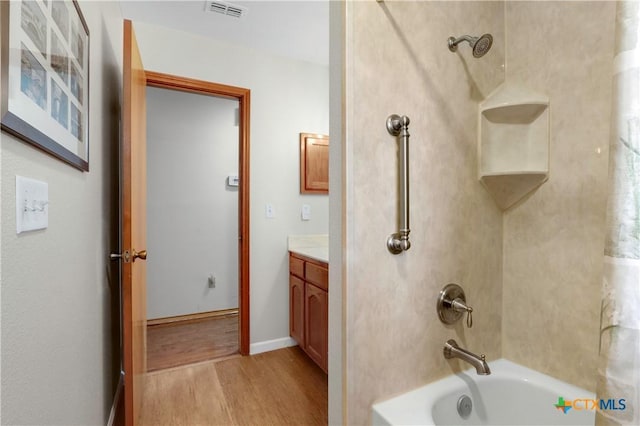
619 362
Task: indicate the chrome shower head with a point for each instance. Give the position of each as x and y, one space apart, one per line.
480 45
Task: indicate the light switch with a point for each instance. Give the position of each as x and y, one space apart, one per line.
32 204
269 211
306 212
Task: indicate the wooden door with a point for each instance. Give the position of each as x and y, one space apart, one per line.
133 187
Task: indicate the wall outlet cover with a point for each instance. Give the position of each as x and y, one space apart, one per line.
269 211
233 180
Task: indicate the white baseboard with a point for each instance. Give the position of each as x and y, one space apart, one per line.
271 345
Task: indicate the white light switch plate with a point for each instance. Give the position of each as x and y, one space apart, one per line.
306 212
32 204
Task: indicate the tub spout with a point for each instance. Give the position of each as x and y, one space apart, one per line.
452 350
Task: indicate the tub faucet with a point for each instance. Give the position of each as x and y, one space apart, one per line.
452 350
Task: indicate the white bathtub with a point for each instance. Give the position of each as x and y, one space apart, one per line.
510 395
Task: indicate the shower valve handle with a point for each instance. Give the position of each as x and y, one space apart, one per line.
459 306
452 304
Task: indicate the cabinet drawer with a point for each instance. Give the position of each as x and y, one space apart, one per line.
317 275
296 266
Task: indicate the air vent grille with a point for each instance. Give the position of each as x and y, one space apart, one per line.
225 8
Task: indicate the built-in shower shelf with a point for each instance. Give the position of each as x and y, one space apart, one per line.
509 188
513 143
515 114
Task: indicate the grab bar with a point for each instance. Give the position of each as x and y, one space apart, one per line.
399 241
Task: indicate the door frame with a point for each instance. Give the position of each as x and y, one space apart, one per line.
182 84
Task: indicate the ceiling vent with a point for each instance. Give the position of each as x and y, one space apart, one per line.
225 8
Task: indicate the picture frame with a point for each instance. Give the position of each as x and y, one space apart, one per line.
44 68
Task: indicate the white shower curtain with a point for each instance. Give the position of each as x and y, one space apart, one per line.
619 364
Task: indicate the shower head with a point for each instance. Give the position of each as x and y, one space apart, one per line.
480 45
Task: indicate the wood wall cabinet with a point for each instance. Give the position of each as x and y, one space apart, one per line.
308 306
314 164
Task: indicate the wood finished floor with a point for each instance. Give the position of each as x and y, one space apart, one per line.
189 342
282 387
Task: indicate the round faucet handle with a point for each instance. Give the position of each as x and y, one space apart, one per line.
452 304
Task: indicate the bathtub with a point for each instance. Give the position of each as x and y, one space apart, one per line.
510 395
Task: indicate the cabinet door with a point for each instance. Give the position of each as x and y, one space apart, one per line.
316 326
314 164
296 309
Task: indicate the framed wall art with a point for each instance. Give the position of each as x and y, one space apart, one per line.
45 77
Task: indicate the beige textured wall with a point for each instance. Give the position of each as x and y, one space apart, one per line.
398 62
554 241
60 296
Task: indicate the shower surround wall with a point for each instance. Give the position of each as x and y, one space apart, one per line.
554 240
532 274
397 61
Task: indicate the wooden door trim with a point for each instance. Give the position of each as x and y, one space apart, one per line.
183 84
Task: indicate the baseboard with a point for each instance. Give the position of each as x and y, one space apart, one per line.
271 345
191 317
114 414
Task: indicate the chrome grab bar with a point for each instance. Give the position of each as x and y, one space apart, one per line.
399 241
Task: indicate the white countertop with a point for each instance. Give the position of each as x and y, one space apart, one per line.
317 253
313 246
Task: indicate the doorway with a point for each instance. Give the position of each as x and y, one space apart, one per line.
200 283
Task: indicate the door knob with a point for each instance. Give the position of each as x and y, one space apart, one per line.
142 254
128 257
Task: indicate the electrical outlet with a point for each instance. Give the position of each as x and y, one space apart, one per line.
269 211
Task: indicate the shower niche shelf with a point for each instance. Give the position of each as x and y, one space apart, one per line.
513 143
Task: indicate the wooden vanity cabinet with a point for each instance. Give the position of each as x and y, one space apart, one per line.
308 306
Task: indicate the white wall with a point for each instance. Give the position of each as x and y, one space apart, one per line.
287 97
60 337
192 214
